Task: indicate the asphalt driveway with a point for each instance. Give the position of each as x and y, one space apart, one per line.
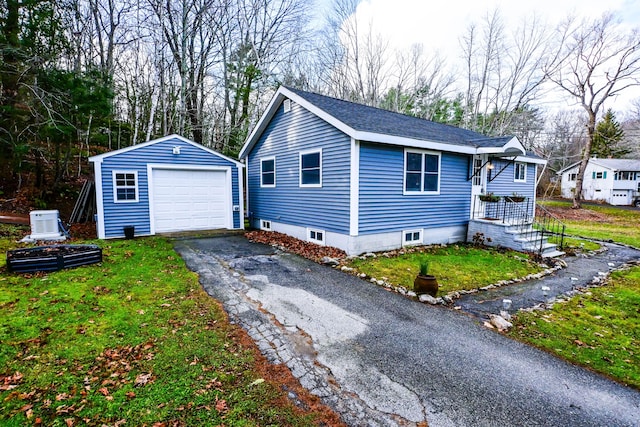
379 358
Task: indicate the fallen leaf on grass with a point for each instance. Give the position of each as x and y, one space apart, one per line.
9 382
221 405
143 379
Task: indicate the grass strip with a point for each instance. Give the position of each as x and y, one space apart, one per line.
597 329
132 340
457 267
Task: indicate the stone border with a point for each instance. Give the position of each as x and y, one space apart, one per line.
602 279
447 299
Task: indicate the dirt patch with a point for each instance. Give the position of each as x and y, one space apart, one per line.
567 213
291 244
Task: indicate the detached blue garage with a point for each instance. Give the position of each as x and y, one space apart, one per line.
167 185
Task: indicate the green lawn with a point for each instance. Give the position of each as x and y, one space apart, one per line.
456 267
133 338
598 330
619 225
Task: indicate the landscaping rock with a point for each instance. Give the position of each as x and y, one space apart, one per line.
500 322
428 299
327 260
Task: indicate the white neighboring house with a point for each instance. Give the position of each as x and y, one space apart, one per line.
615 181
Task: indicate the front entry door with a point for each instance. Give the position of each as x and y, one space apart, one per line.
478 182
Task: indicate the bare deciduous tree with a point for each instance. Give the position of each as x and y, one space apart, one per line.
503 72
597 61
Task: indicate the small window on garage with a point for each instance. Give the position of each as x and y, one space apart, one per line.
125 186
411 237
268 172
316 236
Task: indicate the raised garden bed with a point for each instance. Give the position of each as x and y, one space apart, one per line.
52 258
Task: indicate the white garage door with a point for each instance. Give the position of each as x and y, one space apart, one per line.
620 197
189 200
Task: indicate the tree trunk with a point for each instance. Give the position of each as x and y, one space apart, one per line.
591 129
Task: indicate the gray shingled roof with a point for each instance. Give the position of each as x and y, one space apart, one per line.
619 164
375 120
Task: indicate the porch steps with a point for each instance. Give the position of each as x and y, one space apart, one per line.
532 240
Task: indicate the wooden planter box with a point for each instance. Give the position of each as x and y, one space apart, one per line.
52 258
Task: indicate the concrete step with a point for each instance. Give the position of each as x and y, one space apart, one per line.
546 246
552 254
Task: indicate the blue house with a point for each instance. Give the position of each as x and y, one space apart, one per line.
166 185
364 179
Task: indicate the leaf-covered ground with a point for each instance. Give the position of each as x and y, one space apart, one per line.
135 341
291 244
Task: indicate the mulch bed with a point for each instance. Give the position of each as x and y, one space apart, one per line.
286 243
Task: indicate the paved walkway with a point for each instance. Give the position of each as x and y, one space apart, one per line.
580 271
380 359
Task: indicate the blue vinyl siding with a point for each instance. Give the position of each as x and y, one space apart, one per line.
118 215
384 207
287 134
504 185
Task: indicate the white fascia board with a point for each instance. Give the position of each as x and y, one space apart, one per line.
525 159
262 123
513 146
100 157
363 136
571 166
414 143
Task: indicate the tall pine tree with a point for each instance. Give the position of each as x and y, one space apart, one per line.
608 138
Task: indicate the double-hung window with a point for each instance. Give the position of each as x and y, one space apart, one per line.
421 172
311 168
268 172
125 186
520 172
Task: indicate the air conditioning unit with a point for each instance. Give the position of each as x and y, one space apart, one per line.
44 226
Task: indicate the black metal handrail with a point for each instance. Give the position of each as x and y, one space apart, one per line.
506 209
547 224
533 221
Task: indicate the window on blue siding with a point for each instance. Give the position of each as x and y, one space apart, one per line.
316 236
268 172
125 186
422 172
311 169
411 237
520 172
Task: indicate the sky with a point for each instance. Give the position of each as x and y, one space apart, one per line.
439 24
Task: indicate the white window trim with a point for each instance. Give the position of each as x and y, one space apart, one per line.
404 173
515 170
302 153
315 240
263 185
115 187
287 105
405 242
265 225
